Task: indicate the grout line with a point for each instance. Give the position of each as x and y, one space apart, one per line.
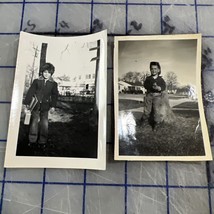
2 192
5 102
56 19
43 192
196 16
81 34
161 16
108 184
167 187
126 186
22 17
126 21
92 14
209 187
84 192
112 3
7 66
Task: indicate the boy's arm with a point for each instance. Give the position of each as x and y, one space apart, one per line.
147 84
160 85
30 93
54 95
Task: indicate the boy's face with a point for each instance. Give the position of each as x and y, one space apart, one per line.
154 70
46 74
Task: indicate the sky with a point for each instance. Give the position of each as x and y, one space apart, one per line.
69 59
178 56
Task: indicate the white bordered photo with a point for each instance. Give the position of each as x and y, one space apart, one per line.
159 112
58 109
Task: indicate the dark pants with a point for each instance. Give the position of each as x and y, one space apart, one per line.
39 127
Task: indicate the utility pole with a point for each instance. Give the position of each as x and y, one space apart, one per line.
36 50
43 56
97 59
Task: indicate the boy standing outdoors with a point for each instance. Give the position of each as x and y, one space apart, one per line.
45 90
155 86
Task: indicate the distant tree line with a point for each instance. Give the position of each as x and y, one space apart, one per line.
138 78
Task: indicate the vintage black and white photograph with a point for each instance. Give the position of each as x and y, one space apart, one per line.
159 112
58 112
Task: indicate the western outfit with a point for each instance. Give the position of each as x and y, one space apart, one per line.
153 97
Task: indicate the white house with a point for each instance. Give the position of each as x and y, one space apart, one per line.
78 84
124 87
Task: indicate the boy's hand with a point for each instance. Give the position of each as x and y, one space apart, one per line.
52 110
156 87
26 108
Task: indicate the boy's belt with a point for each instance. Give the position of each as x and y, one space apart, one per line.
155 93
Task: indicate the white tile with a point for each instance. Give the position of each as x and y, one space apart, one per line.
146 200
6 83
208 43
187 174
148 17
103 199
24 175
191 201
2 154
185 22
40 1
145 1
10 21
4 120
146 173
39 18
205 20
205 2
69 19
65 175
111 1
111 16
63 199
114 173
212 199
178 1
75 1
8 47
211 170
22 198
15 0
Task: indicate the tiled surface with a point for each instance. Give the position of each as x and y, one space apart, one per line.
104 199
145 200
125 187
63 199
191 201
22 198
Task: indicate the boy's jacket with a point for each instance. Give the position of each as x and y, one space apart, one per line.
46 93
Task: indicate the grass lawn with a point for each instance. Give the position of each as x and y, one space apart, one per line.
129 104
76 136
177 139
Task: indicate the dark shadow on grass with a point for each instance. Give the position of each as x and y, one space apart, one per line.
76 138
